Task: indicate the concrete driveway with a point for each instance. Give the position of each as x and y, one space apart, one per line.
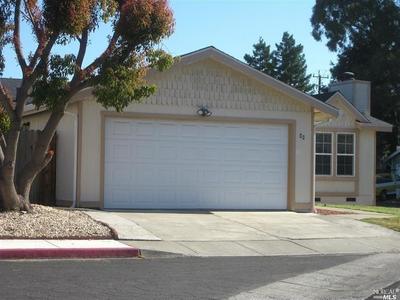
232 233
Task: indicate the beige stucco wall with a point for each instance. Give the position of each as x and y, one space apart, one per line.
66 151
335 189
227 93
366 186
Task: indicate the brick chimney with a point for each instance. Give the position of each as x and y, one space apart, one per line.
358 92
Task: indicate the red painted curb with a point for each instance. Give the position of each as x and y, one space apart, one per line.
69 253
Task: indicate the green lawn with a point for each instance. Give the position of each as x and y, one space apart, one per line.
391 223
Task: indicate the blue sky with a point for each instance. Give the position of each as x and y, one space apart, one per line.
233 26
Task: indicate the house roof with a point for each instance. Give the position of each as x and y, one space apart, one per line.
228 60
377 124
358 114
11 85
324 96
234 63
364 120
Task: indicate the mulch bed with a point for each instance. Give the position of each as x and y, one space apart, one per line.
45 222
322 211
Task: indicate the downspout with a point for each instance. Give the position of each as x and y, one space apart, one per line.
76 119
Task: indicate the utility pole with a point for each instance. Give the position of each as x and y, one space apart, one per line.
320 77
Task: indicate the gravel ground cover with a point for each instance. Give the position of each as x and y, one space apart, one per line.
45 222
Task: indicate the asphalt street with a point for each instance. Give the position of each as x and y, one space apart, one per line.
155 277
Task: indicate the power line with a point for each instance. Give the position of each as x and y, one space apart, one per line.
320 77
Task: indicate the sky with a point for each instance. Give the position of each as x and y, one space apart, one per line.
232 26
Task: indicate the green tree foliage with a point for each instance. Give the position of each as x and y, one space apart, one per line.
290 63
366 36
261 59
117 75
286 63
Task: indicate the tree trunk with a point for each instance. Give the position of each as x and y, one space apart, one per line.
24 185
29 173
10 199
8 194
16 197
41 155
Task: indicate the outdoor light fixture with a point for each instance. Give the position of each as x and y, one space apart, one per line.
204 112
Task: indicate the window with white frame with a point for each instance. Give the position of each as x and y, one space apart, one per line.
323 153
345 154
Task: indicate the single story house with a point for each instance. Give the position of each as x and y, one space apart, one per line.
217 134
345 157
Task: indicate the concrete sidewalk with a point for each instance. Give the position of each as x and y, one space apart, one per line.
233 233
274 248
26 249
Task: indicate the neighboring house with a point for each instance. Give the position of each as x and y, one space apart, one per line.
345 146
256 150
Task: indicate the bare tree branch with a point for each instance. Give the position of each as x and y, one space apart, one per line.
1 156
3 143
3 146
16 36
45 52
98 61
82 47
83 41
34 19
22 94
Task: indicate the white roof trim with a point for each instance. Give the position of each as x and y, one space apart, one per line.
376 124
365 121
31 109
222 57
349 106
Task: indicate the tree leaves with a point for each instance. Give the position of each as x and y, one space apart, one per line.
261 59
144 22
118 75
159 60
366 36
52 87
5 121
119 86
68 16
290 63
5 28
286 63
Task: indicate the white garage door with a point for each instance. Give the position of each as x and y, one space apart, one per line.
164 164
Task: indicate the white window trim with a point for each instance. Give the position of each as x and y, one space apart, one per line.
330 154
344 154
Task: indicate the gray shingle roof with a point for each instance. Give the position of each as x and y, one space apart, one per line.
324 96
11 84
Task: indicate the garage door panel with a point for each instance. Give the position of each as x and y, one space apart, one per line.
183 164
118 150
143 174
118 128
143 129
118 174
